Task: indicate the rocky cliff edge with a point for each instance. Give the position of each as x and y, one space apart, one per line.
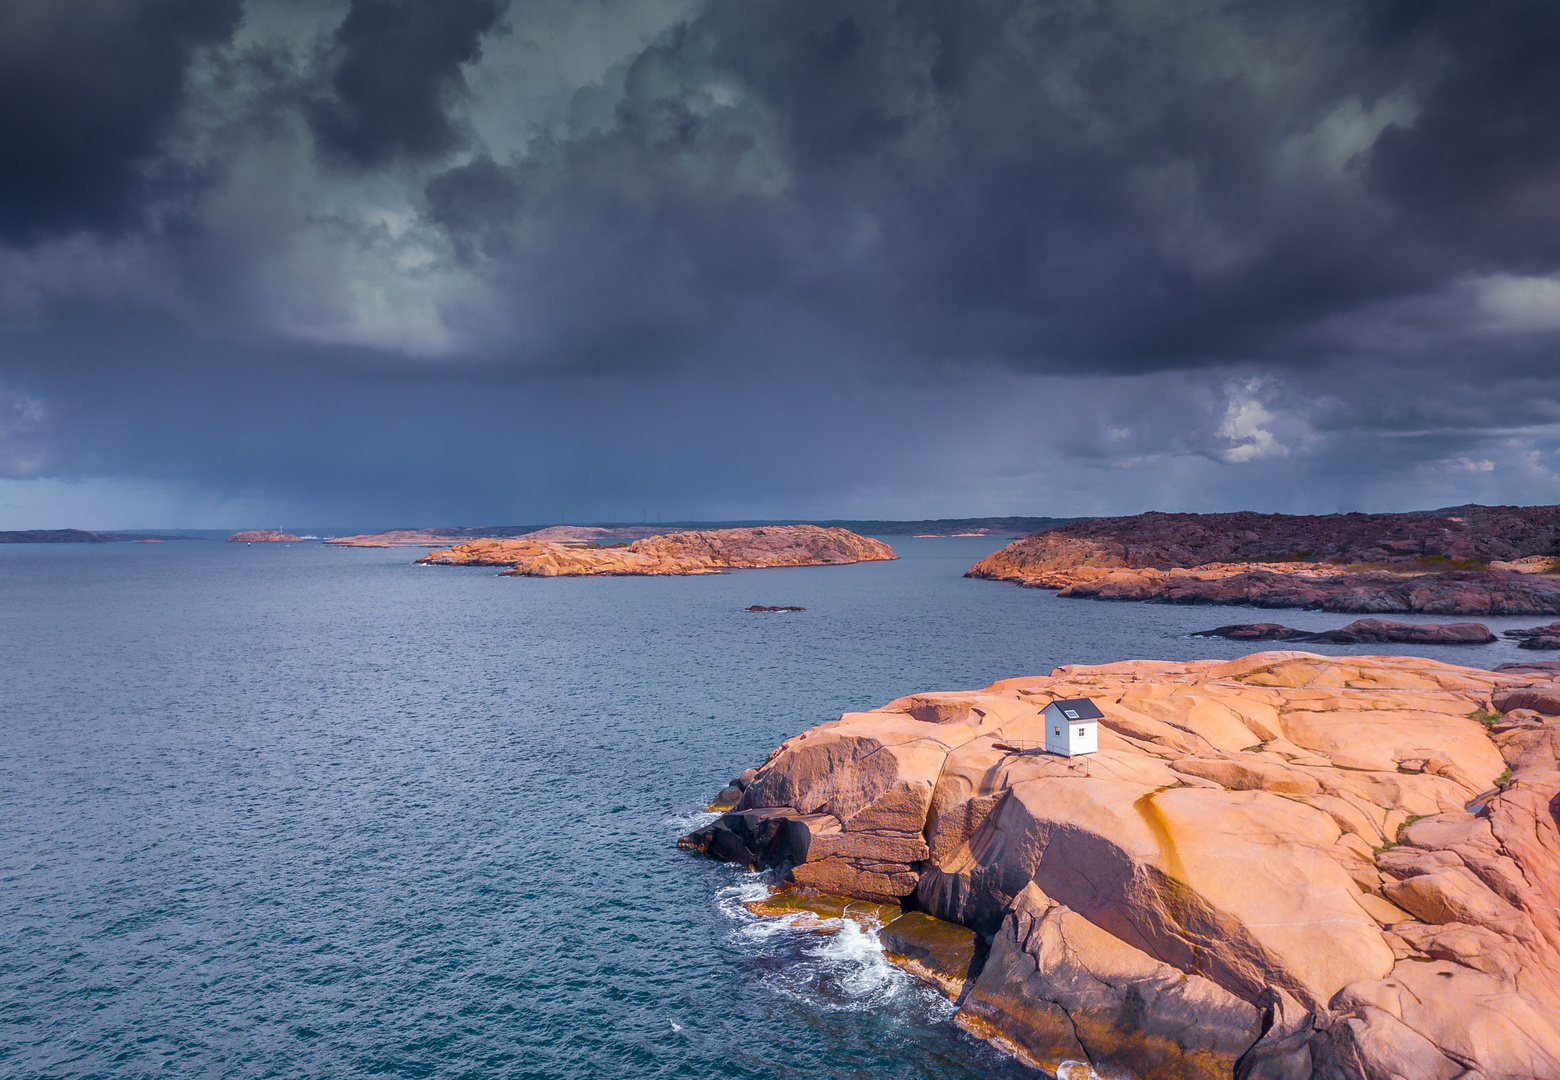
1283 866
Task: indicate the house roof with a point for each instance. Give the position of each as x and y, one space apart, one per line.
1085 709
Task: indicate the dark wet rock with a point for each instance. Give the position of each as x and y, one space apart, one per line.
945 954
753 838
1361 632
1262 631
1537 637
807 909
760 607
731 794
1532 667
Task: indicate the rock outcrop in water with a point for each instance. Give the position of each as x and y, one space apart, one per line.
1361 632
1468 561
707 552
1283 866
262 536
424 538
1538 637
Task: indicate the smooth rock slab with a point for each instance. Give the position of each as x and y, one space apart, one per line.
944 954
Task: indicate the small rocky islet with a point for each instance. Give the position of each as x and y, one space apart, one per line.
1282 866
263 536
1382 631
711 551
1468 560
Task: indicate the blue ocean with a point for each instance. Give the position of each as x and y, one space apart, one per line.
288 810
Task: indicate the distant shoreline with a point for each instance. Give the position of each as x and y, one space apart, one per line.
441 536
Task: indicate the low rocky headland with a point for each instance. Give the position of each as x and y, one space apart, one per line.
77 536
423 538
1471 560
683 553
262 536
1273 868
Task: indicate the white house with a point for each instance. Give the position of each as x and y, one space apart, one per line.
1072 727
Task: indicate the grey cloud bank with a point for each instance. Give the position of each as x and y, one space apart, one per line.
432 262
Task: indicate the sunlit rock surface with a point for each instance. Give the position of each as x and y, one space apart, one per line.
1489 560
1279 866
699 552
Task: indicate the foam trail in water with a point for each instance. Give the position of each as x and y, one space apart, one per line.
690 821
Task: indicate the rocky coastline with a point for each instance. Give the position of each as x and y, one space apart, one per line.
1474 560
684 553
1283 866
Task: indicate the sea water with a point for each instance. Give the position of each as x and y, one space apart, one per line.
287 810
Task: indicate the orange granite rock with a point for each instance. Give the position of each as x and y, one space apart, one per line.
1476 560
706 552
261 536
1279 866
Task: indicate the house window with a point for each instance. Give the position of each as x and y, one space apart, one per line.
1080 733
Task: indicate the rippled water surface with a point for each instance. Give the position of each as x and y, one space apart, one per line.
288 810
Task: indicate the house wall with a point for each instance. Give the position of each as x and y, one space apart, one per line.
1061 734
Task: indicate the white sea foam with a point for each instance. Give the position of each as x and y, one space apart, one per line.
691 820
853 958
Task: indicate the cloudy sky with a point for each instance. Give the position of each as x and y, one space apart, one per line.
384 262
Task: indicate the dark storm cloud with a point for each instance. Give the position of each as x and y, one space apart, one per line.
1478 166
474 204
87 93
795 245
392 72
1065 187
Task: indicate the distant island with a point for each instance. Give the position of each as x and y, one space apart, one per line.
446 535
682 553
78 536
262 536
1465 560
441 537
